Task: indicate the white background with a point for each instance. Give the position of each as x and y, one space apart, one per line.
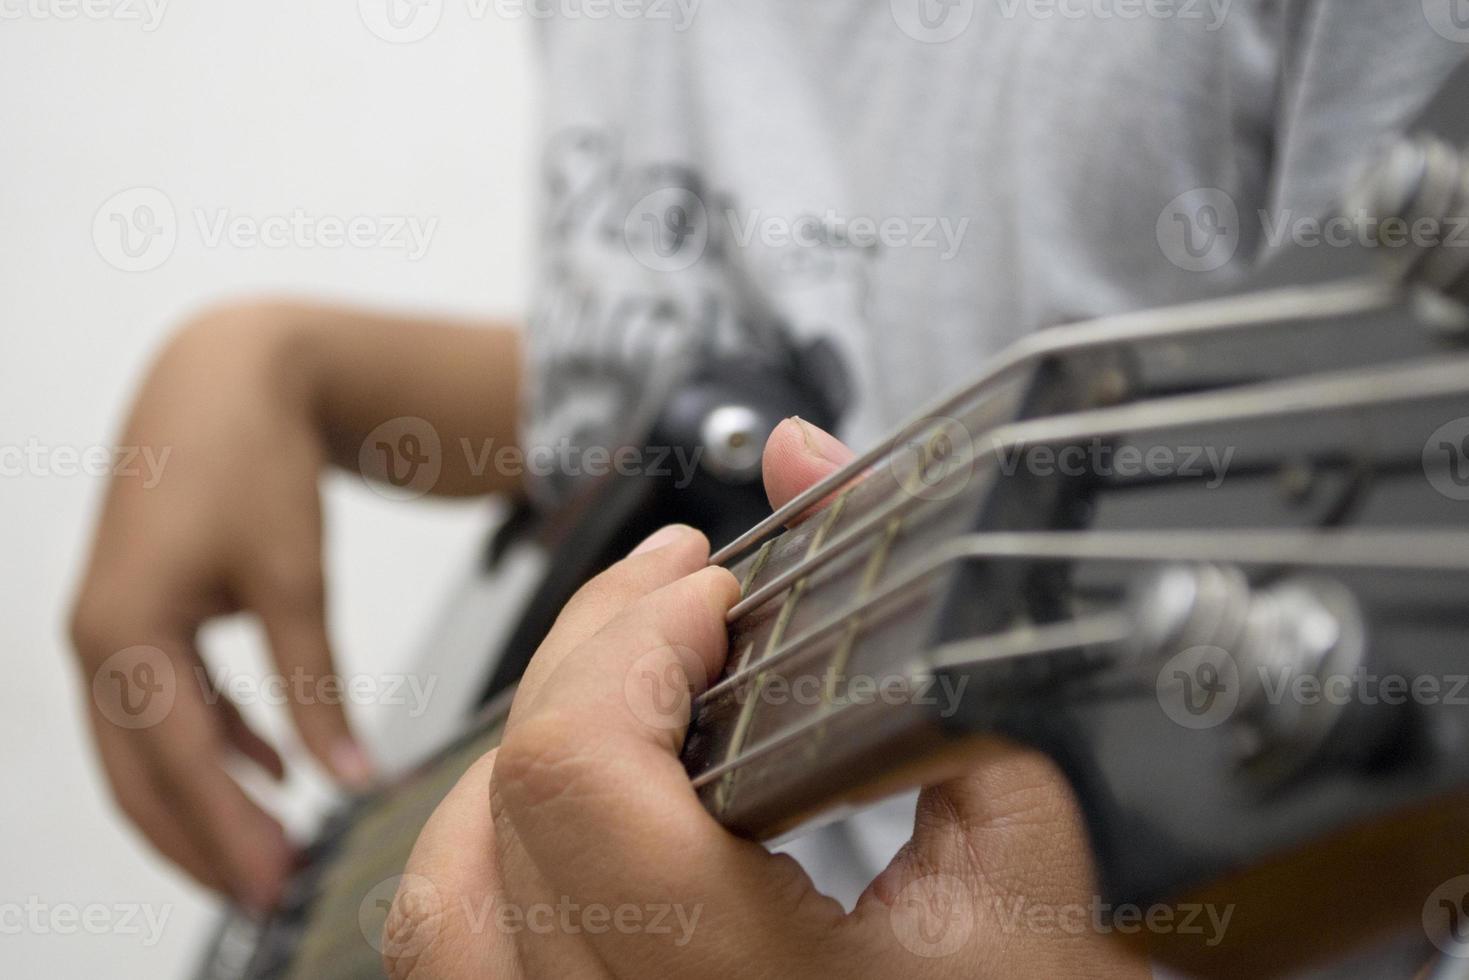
256 108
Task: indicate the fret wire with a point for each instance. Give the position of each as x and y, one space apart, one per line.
853 536
757 566
1419 550
747 710
832 624
1102 628
1356 389
870 574
1416 550
1325 301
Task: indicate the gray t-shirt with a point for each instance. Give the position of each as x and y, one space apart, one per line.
887 192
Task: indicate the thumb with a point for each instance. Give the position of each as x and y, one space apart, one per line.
292 610
999 849
798 454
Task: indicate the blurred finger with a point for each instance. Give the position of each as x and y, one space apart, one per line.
290 599
244 738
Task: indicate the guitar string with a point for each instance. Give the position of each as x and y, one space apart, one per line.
1363 549
1274 400
1302 303
1368 550
1016 644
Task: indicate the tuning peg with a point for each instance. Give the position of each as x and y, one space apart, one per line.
1305 632
1413 203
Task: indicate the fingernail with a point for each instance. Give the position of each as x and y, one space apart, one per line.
661 538
351 764
821 444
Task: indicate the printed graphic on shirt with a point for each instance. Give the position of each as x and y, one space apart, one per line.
651 276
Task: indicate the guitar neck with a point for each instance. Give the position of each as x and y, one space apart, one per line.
1042 555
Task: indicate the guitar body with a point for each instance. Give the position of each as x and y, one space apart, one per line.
330 922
